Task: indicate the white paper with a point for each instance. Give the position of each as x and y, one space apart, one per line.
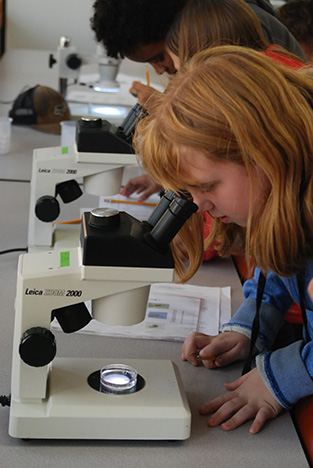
86 94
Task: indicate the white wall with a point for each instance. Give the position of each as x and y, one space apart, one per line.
38 24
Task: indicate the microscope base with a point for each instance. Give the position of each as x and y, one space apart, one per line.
74 410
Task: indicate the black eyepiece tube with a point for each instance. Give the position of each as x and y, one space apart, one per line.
161 207
129 123
170 223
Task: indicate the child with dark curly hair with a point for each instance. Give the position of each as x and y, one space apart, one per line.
137 29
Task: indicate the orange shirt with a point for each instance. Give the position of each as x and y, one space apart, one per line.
283 59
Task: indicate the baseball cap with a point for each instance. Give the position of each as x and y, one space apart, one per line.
42 108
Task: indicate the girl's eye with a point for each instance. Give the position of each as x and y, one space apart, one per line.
158 59
208 188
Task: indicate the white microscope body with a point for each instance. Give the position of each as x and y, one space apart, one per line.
69 62
98 159
101 174
119 258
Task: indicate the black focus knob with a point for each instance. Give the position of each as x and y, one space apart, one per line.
104 217
73 61
68 190
47 208
37 347
52 60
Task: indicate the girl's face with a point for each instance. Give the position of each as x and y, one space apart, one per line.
156 54
222 188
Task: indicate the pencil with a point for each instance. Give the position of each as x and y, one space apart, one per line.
129 202
206 358
147 77
72 221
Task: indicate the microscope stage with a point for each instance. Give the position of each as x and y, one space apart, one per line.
75 410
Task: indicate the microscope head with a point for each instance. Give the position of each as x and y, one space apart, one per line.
116 239
113 238
94 135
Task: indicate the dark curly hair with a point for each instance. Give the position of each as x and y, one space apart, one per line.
120 25
297 15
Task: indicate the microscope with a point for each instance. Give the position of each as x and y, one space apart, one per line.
97 161
69 62
118 258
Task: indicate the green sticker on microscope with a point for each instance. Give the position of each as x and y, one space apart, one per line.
64 150
65 259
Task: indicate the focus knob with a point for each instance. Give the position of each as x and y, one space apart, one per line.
47 208
73 61
52 61
37 347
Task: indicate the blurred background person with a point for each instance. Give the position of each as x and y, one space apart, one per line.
297 16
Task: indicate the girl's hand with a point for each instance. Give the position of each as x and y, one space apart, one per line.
248 398
142 185
215 351
143 93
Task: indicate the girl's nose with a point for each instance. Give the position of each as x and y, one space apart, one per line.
159 67
201 200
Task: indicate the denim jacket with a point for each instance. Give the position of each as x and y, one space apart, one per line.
287 372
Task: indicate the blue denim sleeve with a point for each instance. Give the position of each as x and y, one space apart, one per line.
275 303
286 372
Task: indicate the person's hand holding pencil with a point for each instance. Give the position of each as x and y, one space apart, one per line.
215 351
147 76
143 92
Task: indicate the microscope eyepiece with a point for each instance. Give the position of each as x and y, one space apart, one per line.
161 207
171 221
128 125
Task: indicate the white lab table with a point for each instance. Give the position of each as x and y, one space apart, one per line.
277 445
